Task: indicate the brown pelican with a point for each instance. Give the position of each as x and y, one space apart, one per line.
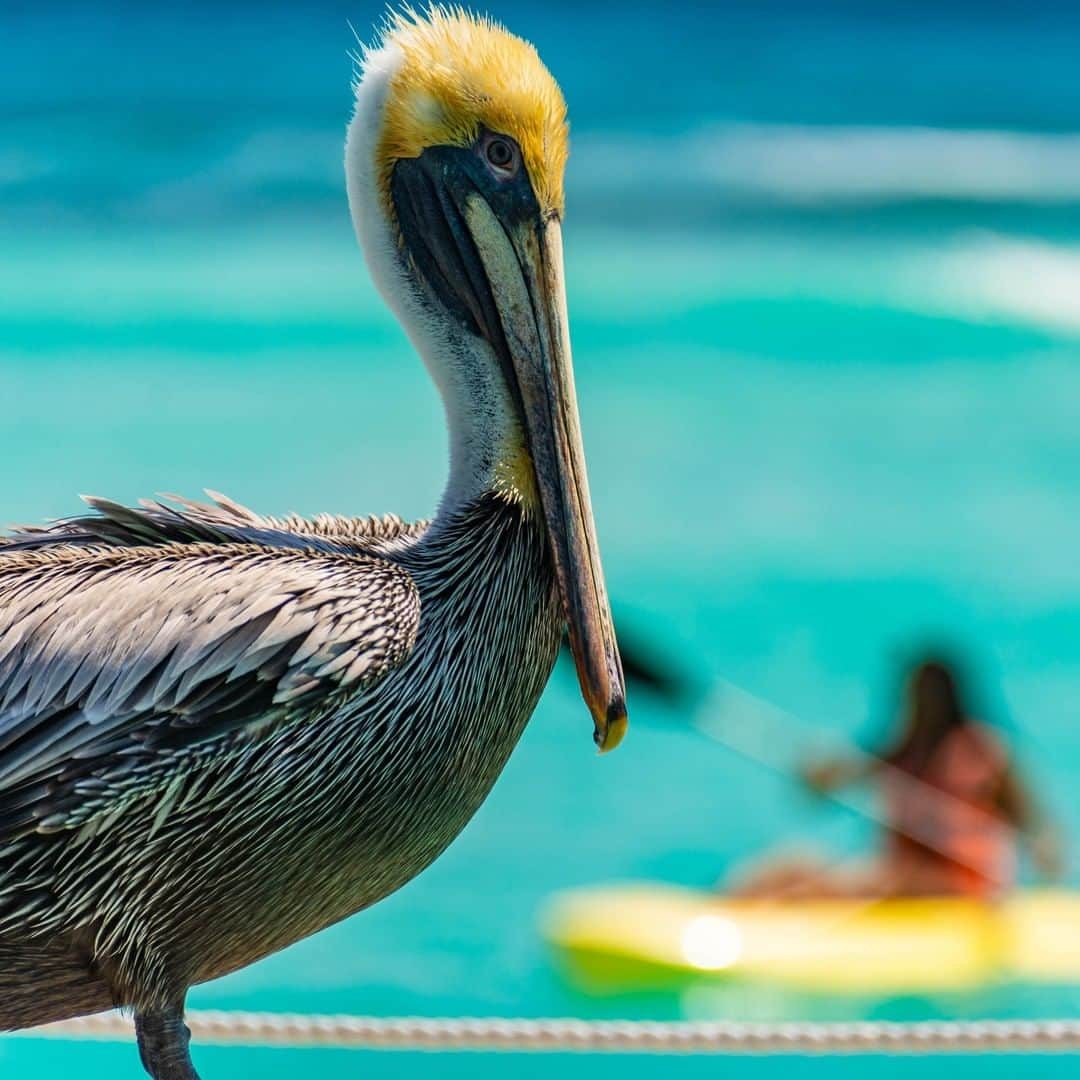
221 732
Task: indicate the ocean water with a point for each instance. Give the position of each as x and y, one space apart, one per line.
823 265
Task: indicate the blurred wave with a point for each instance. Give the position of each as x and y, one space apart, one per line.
101 163
1005 279
750 291
841 164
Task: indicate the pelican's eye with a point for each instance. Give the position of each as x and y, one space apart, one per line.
501 154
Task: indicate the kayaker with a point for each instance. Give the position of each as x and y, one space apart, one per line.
954 809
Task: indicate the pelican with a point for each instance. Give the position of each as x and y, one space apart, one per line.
220 731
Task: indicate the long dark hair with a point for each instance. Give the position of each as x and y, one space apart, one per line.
934 709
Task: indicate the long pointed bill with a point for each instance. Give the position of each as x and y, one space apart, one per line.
524 265
501 273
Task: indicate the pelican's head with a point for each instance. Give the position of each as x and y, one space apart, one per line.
455 165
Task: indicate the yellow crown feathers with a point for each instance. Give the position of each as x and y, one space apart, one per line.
460 72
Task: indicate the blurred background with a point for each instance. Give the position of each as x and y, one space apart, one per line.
823 269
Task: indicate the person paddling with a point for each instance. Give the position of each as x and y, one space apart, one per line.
955 809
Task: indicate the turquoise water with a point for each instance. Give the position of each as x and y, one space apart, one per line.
828 374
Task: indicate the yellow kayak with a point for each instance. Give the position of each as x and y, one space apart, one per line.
652 936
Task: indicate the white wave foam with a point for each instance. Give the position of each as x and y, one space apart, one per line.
771 164
992 277
842 164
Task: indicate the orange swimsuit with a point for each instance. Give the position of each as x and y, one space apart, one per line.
945 831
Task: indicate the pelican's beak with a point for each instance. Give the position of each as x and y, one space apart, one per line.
524 265
496 261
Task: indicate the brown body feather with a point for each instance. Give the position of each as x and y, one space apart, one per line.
220 733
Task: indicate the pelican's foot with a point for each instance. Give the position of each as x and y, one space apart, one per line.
163 1045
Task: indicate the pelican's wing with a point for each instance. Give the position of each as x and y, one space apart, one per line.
112 660
178 520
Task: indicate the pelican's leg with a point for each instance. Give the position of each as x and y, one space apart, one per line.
163 1044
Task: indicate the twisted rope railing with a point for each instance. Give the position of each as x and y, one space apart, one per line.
598 1036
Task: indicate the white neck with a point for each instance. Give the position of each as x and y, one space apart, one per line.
479 413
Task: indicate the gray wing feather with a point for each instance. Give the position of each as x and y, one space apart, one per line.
112 659
183 521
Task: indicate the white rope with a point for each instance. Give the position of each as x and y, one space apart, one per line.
597 1036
